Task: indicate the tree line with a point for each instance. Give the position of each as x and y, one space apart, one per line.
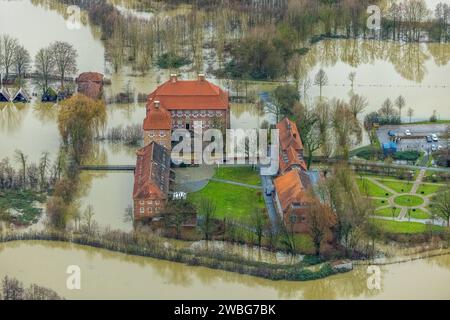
13 289
56 60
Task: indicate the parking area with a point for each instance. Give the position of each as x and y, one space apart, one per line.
413 137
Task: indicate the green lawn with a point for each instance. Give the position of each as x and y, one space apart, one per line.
371 189
408 201
428 188
387 212
379 203
403 227
419 214
231 201
398 185
246 175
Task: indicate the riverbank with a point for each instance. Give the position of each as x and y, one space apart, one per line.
147 245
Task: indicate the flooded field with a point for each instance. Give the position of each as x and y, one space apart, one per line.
108 275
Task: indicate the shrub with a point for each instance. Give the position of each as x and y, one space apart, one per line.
406 155
171 60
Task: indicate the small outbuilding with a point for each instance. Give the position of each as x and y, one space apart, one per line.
90 84
21 96
50 95
4 95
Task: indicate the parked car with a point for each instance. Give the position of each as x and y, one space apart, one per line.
434 137
440 148
429 139
391 133
433 148
407 132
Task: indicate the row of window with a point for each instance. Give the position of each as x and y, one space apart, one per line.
195 113
150 210
142 202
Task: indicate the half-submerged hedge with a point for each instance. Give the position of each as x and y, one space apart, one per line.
146 245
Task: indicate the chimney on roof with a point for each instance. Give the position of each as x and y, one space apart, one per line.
201 77
156 104
173 77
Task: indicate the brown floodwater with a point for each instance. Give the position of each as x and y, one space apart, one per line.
109 275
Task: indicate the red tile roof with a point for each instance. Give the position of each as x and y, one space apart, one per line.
290 189
289 135
90 76
151 177
90 89
291 146
158 118
190 94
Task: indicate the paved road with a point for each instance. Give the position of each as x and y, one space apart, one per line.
270 205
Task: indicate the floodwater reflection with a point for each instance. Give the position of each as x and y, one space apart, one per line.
112 275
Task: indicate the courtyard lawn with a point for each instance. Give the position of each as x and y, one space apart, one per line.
408 200
419 214
370 189
247 175
232 201
428 188
387 212
398 185
404 227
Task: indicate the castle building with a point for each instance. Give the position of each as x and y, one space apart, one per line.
157 125
151 181
189 101
291 186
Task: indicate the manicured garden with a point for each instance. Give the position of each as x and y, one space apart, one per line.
247 175
408 200
232 201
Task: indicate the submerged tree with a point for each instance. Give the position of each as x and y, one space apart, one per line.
65 59
321 80
79 119
44 65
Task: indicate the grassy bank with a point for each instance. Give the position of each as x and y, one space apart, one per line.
151 246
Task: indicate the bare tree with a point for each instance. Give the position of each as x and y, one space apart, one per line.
88 218
207 211
43 63
351 77
357 104
320 219
8 47
400 104
22 159
441 204
65 58
321 80
410 113
21 62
